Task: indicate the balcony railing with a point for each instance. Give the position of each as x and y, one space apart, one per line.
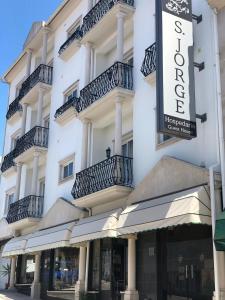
37 136
149 63
117 170
8 162
43 74
118 75
70 103
28 207
98 12
77 35
14 107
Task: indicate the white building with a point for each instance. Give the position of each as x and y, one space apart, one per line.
82 118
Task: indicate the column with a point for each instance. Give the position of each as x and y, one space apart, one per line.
131 293
118 126
24 119
44 46
80 285
87 64
36 287
120 36
41 93
84 157
18 180
12 273
28 66
34 183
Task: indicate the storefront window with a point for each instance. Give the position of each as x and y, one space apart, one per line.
26 264
66 265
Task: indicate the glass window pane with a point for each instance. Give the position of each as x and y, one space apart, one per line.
70 172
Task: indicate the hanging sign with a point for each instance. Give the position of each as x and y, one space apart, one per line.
175 68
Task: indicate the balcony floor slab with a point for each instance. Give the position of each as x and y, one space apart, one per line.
107 195
24 223
28 155
9 172
67 116
32 96
15 117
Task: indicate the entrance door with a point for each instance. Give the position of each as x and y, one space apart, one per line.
190 270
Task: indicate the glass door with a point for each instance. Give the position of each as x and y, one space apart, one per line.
190 270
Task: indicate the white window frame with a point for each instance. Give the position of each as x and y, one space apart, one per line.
9 193
73 87
62 164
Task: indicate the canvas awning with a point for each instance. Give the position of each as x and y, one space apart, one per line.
95 227
186 207
219 237
15 246
50 238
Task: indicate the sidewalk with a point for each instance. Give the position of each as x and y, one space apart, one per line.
6 295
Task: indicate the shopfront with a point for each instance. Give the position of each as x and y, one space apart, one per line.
175 264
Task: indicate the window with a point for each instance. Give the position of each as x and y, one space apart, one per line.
71 92
66 168
26 264
14 139
18 87
42 187
46 121
74 27
127 149
9 199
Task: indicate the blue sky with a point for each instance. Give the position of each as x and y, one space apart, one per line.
16 18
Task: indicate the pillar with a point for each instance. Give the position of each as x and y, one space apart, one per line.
120 36
18 181
34 183
80 285
28 66
84 158
12 273
131 293
24 119
44 46
41 93
118 126
36 287
87 64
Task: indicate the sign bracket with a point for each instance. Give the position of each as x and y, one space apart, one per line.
200 66
202 117
198 19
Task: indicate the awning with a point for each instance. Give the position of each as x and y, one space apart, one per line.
95 227
219 237
50 238
15 246
187 207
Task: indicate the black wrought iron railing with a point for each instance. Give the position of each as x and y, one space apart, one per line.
149 63
70 103
43 74
98 12
37 136
117 170
8 162
14 107
28 207
77 35
118 75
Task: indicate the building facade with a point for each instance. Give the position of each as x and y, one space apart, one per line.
96 204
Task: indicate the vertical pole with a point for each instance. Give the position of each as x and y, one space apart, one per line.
40 106
118 126
120 36
24 119
12 272
36 286
87 64
18 181
28 66
44 46
34 183
82 264
84 145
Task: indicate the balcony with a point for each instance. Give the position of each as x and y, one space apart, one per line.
35 139
41 76
71 45
101 22
25 212
149 64
66 112
14 110
108 180
8 164
97 99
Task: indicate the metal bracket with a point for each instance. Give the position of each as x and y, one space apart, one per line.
198 19
202 117
200 66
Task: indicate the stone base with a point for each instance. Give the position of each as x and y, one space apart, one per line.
79 289
131 295
35 291
222 295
